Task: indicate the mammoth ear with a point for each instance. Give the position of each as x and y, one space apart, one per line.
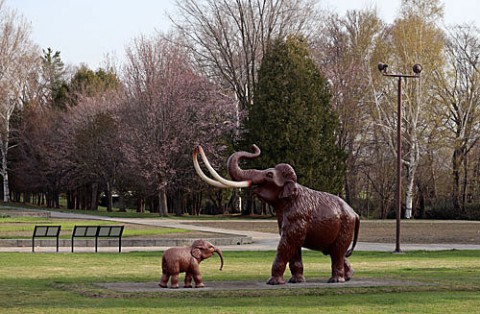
289 189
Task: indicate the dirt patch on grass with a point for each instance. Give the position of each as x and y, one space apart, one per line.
383 231
255 285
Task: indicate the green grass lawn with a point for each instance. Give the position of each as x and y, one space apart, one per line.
22 227
66 283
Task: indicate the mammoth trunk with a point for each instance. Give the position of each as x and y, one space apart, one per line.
234 169
219 252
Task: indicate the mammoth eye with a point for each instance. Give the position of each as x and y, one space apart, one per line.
269 175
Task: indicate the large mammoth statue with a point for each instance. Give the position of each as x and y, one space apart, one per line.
306 218
187 259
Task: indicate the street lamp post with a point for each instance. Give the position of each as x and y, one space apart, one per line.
417 69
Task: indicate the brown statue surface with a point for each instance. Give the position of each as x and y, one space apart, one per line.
187 260
306 218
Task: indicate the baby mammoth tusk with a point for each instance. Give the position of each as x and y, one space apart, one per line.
203 176
234 184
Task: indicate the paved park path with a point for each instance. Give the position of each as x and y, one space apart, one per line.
262 241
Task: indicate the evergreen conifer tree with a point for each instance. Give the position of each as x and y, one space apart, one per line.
292 119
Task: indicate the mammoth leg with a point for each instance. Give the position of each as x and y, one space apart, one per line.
286 250
338 264
188 280
278 268
348 270
164 280
296 268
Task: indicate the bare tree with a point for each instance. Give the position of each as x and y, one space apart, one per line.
344 51
229 37
169 109
414 38
458 89
18 63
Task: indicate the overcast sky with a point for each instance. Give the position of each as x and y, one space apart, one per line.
85 31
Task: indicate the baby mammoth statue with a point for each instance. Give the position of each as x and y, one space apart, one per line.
306 218
187 260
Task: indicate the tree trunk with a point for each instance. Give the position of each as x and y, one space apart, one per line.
71 199
247 209
456 163
108 195
140 204
197 203
412 165
162 200
410 192
6 190
94 197
216 198
4 142
421 199
464 184
348 197
4 173
121 202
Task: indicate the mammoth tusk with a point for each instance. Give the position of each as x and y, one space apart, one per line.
203 176
234 184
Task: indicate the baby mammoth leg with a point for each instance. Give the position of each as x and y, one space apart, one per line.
174 282
188 280
197 277
164 280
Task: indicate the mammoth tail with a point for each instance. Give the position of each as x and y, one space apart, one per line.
355 236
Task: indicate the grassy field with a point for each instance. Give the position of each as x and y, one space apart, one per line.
444 282
414 282
22 227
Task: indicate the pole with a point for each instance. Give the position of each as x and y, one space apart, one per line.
417 69
399 164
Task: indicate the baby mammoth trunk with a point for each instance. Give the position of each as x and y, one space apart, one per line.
219 252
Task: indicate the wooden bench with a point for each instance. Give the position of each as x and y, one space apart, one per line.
45 232
98 232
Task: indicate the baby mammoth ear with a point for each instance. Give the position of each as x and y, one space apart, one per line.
290 189
196 252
